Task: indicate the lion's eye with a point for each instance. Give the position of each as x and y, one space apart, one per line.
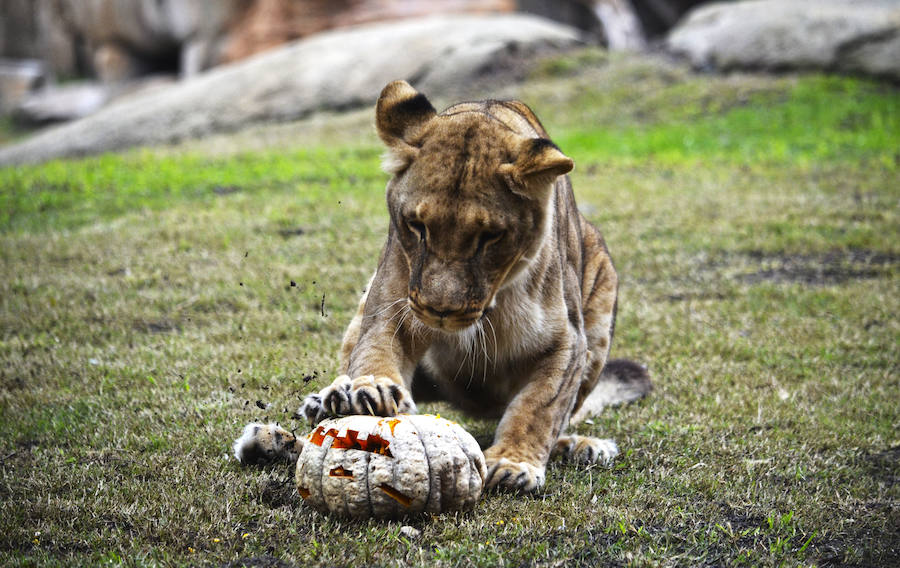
417 228
488 238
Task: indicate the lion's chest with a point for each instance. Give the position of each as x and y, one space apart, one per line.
492 359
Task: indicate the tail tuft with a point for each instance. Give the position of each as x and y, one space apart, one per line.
633 379
621 381
261 444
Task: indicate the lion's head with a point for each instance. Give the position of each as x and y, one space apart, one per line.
469 202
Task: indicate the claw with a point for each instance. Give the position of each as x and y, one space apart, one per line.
333 402
365 394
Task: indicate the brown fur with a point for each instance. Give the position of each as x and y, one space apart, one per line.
492 291
265 443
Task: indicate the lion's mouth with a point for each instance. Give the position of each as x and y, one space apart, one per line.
447 320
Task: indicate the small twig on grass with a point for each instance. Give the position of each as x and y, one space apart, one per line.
190 301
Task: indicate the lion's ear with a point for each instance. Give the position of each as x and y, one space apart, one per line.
399 112
538 163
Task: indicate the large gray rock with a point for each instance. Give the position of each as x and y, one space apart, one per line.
71 101
124 36
334 70
18 78
853 36
61 103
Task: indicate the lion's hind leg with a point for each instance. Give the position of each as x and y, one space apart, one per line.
585 449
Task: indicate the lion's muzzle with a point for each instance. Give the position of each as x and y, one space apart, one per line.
444 318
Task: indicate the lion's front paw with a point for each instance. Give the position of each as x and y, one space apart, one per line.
520 476
378 396
585 449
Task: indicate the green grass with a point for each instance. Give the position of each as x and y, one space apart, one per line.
11 131
822 119
67 194
150 299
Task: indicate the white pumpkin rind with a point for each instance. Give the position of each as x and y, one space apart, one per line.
399 466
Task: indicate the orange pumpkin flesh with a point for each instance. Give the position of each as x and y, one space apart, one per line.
396 495
350 441
340 472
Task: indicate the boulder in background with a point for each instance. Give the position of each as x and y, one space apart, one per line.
18 77
851 36
329 71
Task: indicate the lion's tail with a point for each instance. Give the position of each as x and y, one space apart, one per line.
621 381
266 443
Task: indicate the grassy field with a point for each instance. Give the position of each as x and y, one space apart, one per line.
154 302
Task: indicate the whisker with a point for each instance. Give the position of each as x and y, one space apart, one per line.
386 308
415 327
484 350
483 341
399 323
461 364
494 334
468 347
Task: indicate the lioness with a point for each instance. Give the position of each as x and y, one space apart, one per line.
492 291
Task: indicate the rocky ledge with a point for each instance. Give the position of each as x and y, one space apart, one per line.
334 70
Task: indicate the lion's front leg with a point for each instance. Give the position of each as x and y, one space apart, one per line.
367 394
378 359
533 421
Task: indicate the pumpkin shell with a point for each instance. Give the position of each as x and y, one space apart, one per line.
373 466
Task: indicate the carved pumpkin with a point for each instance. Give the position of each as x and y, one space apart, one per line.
373 466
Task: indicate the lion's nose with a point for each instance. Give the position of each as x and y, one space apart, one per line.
438 308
